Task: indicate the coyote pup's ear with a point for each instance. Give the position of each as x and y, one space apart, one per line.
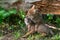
31 10
33 7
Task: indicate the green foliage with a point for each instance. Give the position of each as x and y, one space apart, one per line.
52 19
12 11
57 20
50 16
6 13
12 17
22 14
56 37
11 28
16 34
19 20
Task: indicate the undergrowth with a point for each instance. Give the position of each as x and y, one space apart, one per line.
12 21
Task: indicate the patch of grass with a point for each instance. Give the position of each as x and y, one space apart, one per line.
16 34
1 34
38 37
56 37
35 37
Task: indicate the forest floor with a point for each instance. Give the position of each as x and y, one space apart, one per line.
18 36
11 37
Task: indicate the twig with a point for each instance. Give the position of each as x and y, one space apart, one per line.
53 27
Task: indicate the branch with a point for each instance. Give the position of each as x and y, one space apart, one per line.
52 27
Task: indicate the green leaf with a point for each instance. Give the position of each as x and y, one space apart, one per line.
6 15
22 14
12 11
2 8
1 20
2 11
57 20
50 16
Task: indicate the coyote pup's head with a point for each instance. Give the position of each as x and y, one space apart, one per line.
32 12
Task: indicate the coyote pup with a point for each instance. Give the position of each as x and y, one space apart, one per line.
34 23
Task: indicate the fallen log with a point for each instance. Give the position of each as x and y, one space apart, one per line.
49 8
